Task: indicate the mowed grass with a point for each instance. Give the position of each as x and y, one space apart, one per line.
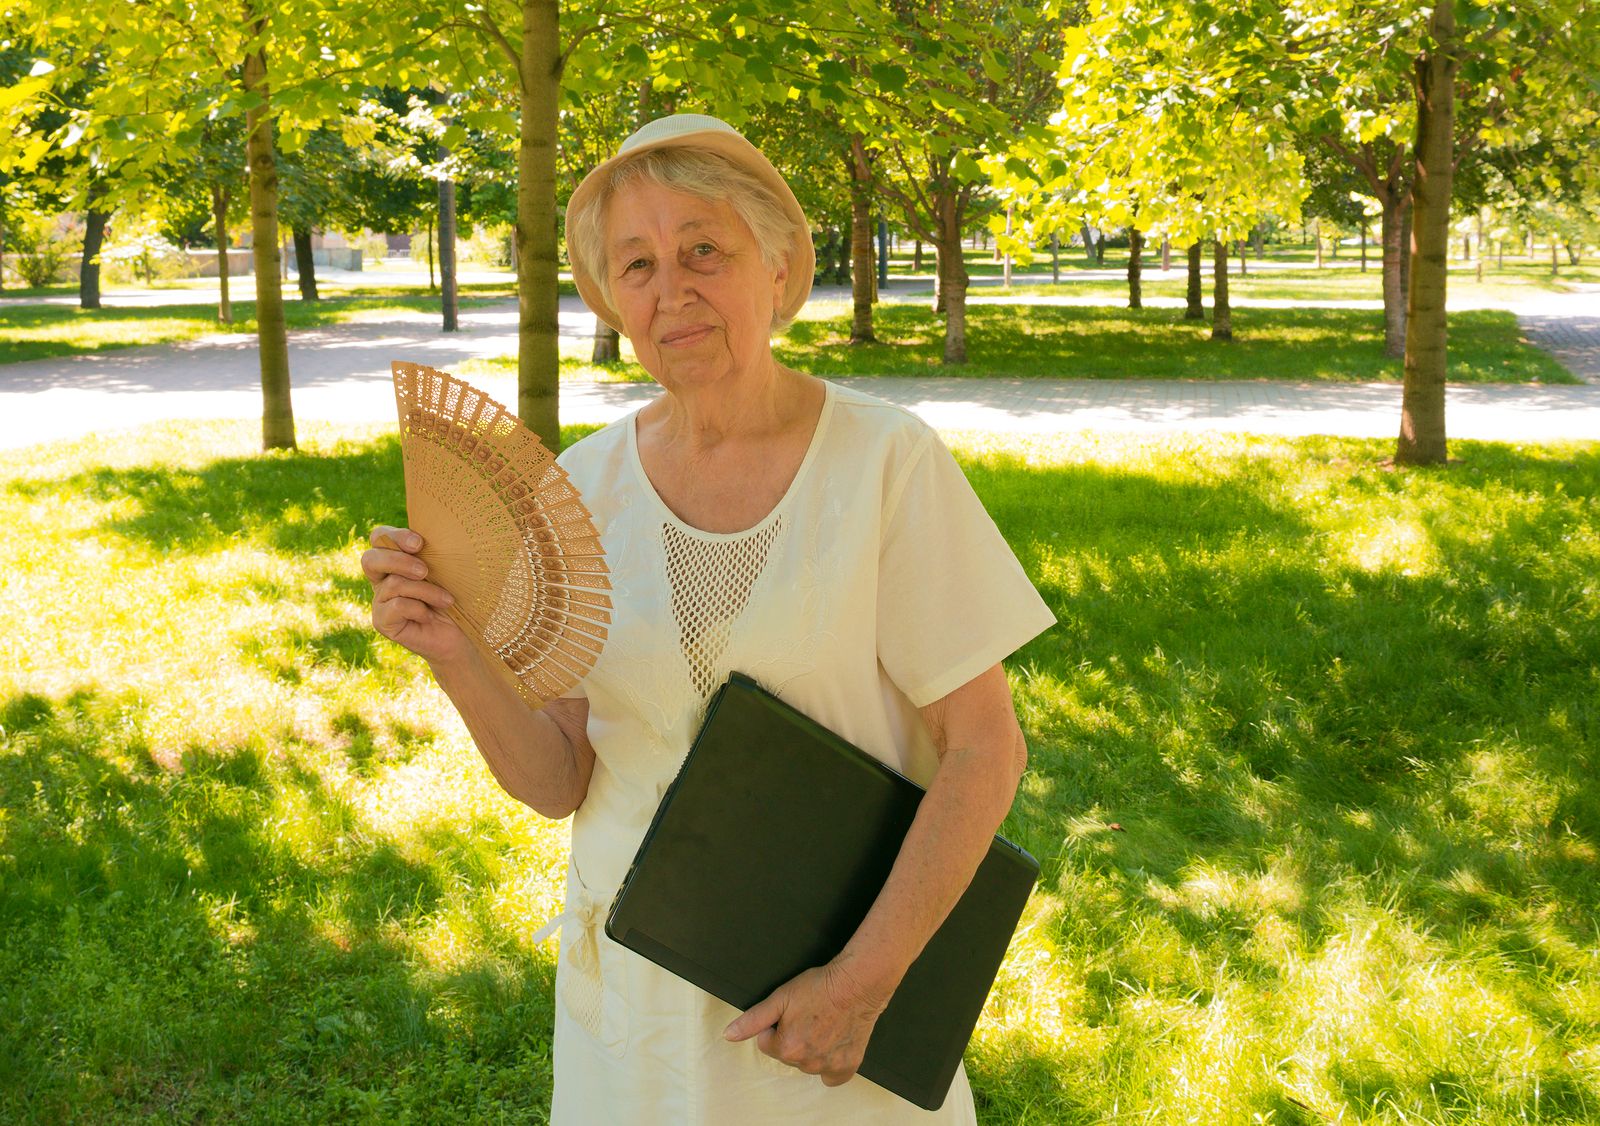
1089 342
1294 269
35 332
1313 781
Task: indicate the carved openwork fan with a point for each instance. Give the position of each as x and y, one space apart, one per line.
504 531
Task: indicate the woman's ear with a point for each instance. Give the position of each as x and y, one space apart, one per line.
780 284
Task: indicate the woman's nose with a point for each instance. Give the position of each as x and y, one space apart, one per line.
675 285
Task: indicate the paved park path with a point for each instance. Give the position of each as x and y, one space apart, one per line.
341 373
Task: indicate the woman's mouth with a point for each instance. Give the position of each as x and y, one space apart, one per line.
682 337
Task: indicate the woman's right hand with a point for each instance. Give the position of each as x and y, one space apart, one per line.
406 608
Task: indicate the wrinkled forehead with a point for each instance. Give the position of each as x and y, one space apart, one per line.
643 215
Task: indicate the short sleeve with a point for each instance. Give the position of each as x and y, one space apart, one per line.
952 597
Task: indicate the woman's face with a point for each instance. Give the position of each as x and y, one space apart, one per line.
687 278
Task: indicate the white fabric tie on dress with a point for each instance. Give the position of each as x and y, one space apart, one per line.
585 952
582 987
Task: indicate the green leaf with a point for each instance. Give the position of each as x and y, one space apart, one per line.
833 72
890 77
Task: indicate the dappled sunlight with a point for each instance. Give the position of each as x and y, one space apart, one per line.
1310 763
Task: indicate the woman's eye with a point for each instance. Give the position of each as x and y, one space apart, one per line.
636 264
704 248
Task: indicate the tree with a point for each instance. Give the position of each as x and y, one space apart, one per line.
986 84
1162 135
179 65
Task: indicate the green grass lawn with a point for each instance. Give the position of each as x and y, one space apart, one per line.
34 332
1075 342
1340 280
1110 343
1313 781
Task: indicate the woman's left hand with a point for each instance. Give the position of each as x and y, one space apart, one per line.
818 1022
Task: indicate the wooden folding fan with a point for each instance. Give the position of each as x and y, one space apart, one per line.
504 531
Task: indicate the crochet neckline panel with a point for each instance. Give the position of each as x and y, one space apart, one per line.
710 582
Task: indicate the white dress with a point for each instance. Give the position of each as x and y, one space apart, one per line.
876 585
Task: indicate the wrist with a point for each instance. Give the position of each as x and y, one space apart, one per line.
468 664
870 974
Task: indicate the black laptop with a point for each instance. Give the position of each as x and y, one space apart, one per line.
764 857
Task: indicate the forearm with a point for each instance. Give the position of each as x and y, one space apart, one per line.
539 761
969 796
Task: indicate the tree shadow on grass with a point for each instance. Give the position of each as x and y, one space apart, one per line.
1246 707
229 939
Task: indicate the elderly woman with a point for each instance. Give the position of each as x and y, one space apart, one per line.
755 519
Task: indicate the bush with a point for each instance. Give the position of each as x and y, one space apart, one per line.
41 252
486 246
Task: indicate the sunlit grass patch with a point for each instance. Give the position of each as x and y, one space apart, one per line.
1312 780
1078 342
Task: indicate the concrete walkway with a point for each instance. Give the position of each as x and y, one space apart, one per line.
341 373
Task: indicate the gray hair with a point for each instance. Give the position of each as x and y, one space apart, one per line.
698 172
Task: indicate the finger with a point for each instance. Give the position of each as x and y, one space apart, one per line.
399 539
433 595
377 562
837 1078
753 1020
767 1041
395 615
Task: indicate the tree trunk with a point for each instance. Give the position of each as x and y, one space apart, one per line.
1555 263
1258 238
1480 244
219 216
433 286
953 291
538 360
860 242
1135 289
1405 248
94 237
1088 245
938 280
916 257
1166 254
1363 246
1006 281
881 278
449 309
1221 314
1243 269
1195 311
277 413
303 264
1318 226
1055 258
1422 431
1394 300
1574 252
